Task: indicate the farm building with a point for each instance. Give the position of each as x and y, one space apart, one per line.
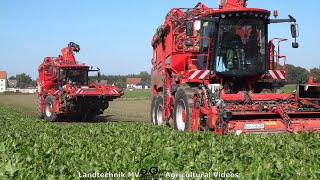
23 91
28 90
12 83
3 81
143 85
132 83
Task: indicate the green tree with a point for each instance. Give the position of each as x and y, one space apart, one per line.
121 84
12 78
296 75
145 76
33 83
23 80
315 72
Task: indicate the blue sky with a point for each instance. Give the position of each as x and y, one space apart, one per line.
116 35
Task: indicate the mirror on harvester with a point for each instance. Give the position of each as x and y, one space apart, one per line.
189 31
295 45
294 34
294 30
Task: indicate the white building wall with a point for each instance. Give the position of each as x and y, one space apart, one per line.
138 87
132 86
3 85
11 89
28 91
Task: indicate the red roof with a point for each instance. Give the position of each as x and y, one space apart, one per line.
3 75
133 80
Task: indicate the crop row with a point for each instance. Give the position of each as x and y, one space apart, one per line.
38 150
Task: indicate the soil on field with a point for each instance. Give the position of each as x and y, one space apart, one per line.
120 110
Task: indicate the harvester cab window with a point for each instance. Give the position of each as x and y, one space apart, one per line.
74 76
207 32
77 77
241 46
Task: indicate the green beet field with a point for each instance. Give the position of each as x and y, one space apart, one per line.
33 149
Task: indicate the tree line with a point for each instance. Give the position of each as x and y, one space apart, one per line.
120 80
295 75
299 75
24 79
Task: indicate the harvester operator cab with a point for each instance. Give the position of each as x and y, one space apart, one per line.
233 41
233 45
241 47
74 77
231 48
77 77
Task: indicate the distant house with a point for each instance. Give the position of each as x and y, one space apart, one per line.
12 83
143 85
29 89
132 82
12 90
3 81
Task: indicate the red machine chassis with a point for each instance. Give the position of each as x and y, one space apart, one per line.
56 96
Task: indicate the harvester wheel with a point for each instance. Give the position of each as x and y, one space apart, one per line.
182 110
157 109
90 116
107 105
49 113
40 112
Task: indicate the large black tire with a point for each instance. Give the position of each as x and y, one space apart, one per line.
90 116
183 102
156 110
39 111
106 105
49 113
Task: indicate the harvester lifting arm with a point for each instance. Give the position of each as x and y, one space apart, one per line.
67 53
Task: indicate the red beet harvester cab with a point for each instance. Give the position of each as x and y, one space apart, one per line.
216 69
